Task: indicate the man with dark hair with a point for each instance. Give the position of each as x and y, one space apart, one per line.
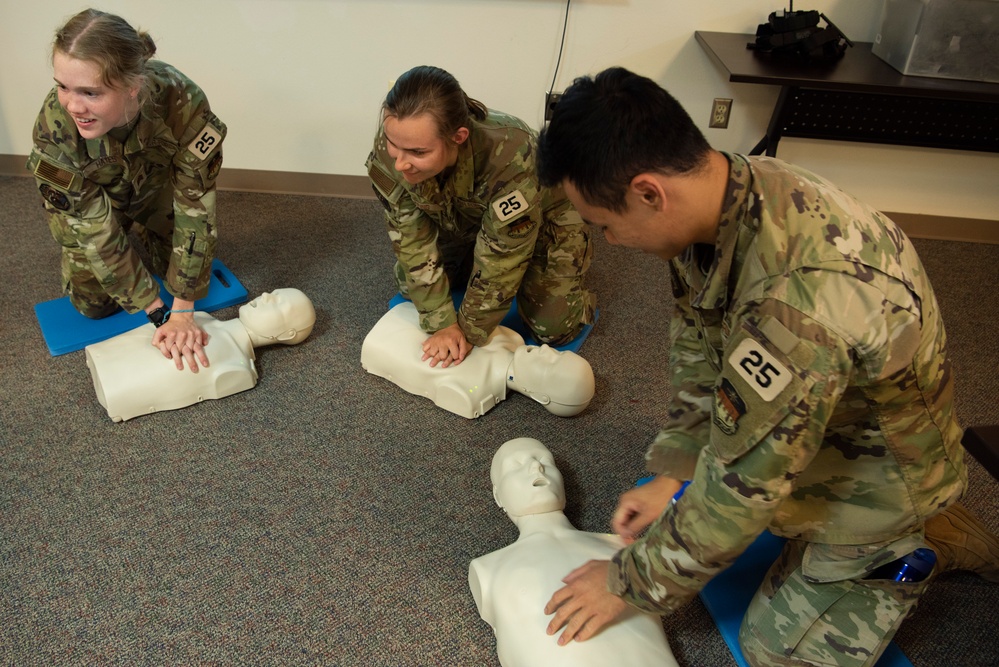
812 394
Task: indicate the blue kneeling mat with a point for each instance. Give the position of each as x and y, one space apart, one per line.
66 330
513 321
727 597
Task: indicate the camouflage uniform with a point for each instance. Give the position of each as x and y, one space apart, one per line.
161 175
489 223
812 396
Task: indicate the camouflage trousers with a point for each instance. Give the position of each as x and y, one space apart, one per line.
792 621
88 281
551 299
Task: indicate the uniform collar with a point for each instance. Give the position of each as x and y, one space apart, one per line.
709 267
109 145
463 177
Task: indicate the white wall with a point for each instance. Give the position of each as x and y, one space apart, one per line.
299 82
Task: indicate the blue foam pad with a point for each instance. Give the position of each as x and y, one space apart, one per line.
513 321
66 330
727 597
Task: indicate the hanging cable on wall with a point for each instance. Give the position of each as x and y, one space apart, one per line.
551 99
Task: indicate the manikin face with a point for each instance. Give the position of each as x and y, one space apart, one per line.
525 479
281 315
561 381
95 107
417 148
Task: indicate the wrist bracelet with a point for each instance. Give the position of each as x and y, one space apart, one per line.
190 310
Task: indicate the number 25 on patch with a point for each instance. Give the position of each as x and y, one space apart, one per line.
205 142
509 206
759 369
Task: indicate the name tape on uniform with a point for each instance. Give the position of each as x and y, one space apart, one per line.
760 369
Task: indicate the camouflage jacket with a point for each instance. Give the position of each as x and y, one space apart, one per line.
812 393
491 198
86 183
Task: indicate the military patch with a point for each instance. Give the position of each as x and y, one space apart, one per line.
381 198
215 166
728 408
205 143
380 178
509 206
760 369
521 227
53 174
54 197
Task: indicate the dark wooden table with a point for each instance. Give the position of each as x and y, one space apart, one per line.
861 98
982 442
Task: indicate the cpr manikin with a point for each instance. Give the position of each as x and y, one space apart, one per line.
512 585
561 381
132 378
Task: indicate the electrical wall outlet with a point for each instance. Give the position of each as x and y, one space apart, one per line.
720 111
551 99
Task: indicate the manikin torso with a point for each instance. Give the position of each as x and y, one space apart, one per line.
511 586
133 378
393 350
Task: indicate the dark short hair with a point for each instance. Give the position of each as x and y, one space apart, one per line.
607 129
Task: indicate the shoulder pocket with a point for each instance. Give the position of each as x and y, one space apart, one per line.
387 189
766 375
59 186
206 141
510 205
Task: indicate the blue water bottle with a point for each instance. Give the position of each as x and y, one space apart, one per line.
912 567
679 493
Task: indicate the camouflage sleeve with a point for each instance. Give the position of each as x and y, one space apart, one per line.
414 242
674 451
505 244
769 408
81 216
195 168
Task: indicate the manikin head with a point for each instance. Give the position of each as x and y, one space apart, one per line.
560 381
525 479
283 316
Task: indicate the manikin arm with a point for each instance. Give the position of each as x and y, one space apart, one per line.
478 582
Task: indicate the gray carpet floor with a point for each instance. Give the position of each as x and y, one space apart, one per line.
326 517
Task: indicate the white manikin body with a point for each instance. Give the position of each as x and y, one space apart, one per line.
393 349
512 585
133 378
